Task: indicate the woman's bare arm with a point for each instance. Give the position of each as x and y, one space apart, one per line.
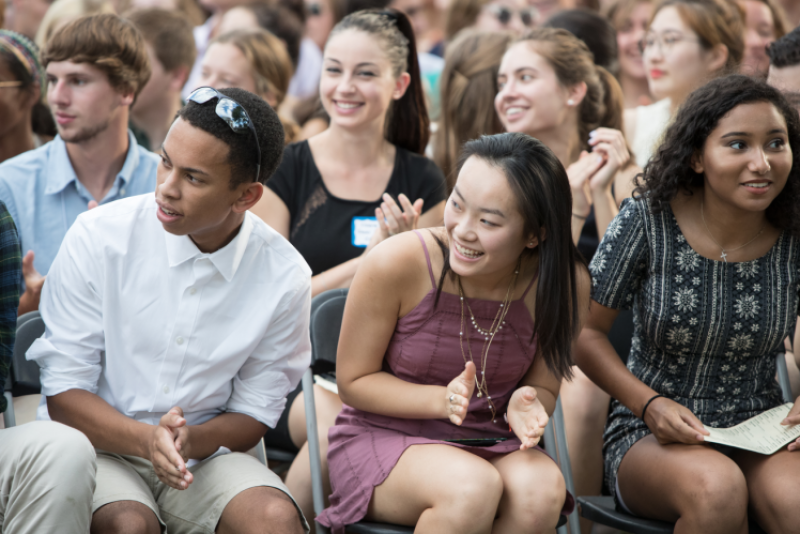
394 272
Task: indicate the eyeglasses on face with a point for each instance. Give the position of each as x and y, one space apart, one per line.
230 111
503 14
665 41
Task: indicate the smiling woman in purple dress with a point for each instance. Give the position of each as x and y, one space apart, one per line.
429 370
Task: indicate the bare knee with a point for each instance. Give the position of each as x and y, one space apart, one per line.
716 496
536 495
125 517
278 512
475 495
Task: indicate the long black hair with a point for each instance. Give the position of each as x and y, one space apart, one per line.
541 188
670 169
407 122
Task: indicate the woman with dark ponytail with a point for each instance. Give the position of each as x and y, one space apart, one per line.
453 345
25 121
343 191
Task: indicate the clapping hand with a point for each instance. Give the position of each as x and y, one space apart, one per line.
168 450
793 419
394 219
671 422
610 145
579 174
458 394
527 417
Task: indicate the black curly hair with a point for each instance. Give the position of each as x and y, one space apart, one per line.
670 169
785 52
242 154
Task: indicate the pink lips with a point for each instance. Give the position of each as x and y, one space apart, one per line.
63 119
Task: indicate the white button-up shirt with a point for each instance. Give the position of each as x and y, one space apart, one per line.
147 321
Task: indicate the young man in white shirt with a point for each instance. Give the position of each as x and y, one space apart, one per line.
176 326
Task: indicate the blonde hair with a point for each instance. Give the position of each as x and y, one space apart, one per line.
267 56
469 85
61 12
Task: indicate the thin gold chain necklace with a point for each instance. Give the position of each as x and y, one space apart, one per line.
497 325
724 254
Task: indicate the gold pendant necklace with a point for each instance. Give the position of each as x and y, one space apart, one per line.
488 336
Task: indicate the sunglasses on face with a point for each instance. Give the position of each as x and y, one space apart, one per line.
504 15
232 112
313 10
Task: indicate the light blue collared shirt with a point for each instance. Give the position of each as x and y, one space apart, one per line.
44 196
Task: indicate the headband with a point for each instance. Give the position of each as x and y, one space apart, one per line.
26 52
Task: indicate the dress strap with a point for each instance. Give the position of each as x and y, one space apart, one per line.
427 257
535 277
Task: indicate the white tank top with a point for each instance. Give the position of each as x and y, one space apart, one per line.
651 123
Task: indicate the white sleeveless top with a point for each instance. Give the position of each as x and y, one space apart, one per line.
651 123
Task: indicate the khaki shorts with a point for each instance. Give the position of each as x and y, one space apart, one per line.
197 509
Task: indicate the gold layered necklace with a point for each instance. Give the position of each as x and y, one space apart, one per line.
488 336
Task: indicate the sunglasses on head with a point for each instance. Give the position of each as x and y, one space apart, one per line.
232 112
504 15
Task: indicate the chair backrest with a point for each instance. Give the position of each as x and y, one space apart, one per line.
326 322
25 374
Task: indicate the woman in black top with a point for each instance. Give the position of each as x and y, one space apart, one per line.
346 189
332 191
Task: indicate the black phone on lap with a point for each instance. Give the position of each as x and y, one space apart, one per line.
477 442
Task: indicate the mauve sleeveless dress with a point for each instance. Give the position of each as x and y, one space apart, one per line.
364 447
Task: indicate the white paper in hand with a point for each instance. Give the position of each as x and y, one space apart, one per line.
763 433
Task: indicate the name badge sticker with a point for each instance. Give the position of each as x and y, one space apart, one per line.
362 229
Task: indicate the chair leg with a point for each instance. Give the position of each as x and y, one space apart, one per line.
261 452
9 417
566 466
313 448
783 378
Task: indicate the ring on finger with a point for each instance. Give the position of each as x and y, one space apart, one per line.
451 398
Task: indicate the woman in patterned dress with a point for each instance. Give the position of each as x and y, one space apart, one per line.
708 255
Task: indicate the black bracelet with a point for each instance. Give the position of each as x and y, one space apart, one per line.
581 217
644 410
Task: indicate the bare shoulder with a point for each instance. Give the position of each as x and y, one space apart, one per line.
399 262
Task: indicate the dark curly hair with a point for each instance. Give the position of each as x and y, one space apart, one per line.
242 154
785 52
670 169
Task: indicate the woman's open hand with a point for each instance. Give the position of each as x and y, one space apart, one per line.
793 419
527 417
394 219
458 394
671 422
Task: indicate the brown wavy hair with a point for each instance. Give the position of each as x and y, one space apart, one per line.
468 85
716 22
108 42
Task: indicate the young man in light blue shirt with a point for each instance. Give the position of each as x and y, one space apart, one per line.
95 68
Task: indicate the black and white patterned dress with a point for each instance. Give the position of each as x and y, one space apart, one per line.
706 333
